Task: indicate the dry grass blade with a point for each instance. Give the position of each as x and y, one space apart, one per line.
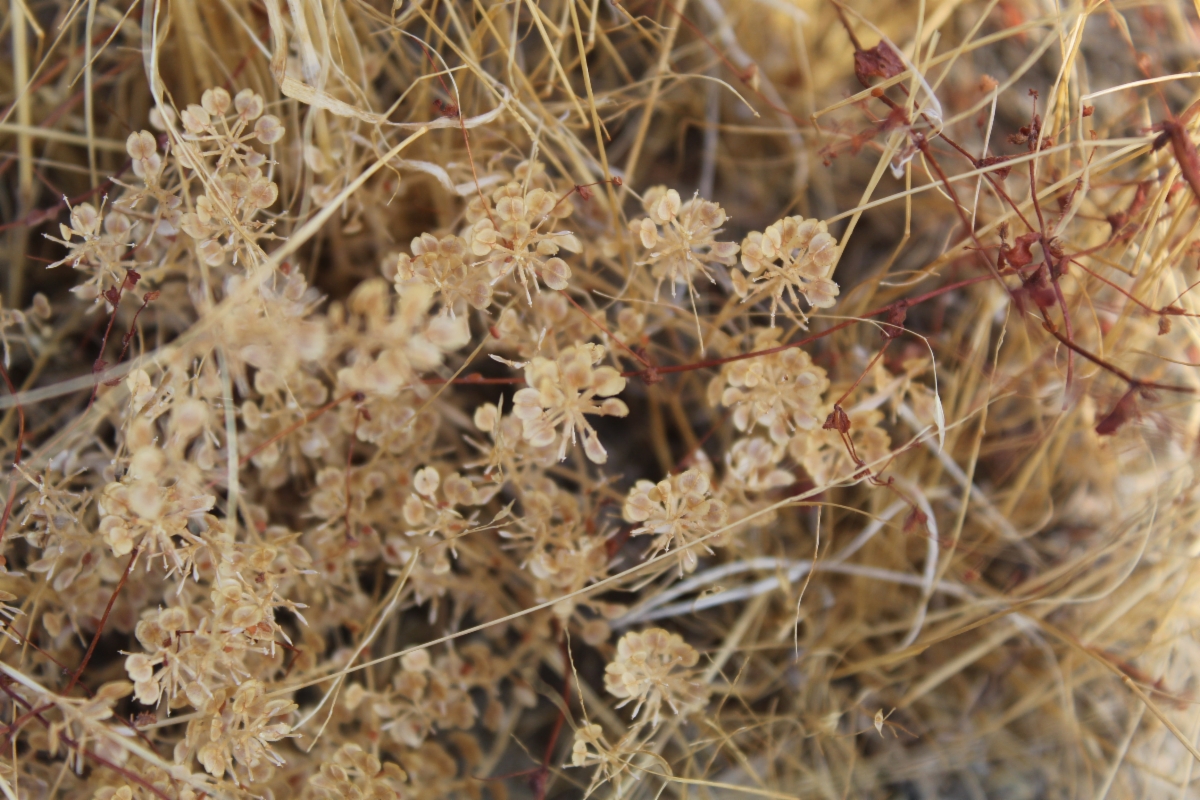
575 399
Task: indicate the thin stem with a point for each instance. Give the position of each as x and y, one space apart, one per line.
605 329
103 621
1136 383
104 762
899 304
12 484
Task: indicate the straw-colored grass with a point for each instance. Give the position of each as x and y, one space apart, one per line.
556 510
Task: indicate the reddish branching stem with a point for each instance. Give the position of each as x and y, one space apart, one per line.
1186 156
149 298
1135 383
865 372
113 296
20 446
540 780
1075 260
606 331
539 775
360 413
112 599
88 754
473 379
890 307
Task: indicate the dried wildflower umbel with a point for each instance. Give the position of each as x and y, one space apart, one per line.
239 726
355 773
515 234
396 340
218 130
806 255
443 263
107 249
681 238
98 245
781 392
424 698
141 508
591 748
588 745
526 331
561 392
678 512
653 667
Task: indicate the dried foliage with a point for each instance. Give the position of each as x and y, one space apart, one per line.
765 398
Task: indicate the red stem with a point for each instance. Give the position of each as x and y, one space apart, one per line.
103 621
128 337
874 361
12 484
127 774
99 364
602 327
1136 383
899 304
358 415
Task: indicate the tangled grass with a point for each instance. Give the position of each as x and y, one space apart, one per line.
766 398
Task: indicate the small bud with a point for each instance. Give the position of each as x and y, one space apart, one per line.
269 129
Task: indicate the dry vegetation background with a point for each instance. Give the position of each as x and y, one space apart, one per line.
660 398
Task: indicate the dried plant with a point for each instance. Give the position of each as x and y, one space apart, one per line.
438 399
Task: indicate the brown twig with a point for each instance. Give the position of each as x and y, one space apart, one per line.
607 332
113 296
359 414
70 742
128 337
1135 383
12 484
890 307
75 676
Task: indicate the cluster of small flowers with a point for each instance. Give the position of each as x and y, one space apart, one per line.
514 232
355 773
678 511
140 224
562 555
139 507
238 724
782 392
650 669
444 264
561 392
276 471
654 667
792 258
681 238
217 135
139 227
425 697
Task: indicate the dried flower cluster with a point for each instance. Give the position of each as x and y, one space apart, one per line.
409 405
680 238
806 254
655 667
678 511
